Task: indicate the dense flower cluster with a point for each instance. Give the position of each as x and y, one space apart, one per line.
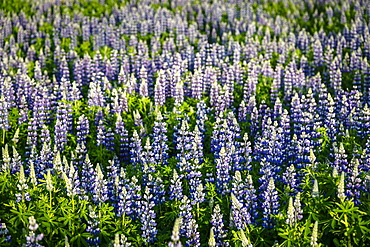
223 119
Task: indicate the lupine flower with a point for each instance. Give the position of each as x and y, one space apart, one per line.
240 216
49 182
32 238
93 228
354 183
176 186
72 181
315 189
16 161
185 214
87 176
175 238
251 198
289 177
341 191
218 226
223 172
290 213
245 241
160 147
60 134
314 235
120 240
5 237
6 159
123 139
32 173
211 241
136 149
270 204
147 217
4 116
192 235
340 163
22 187
297 207
238 187
100 188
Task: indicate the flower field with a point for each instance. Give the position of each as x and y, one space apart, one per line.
184 123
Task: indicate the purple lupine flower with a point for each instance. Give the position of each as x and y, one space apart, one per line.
197 145
95 96
176 186
250 198
297 207
60 134
109 140
16 162
32 238
136 150
185 214
242 112
196 189
354 183
197 84
340 156
218 226
134 190
22 187
82 129
147 217
184 141
100 133
160 147
223 169
45 159
365 157
153 182
122 138
238 187
270 204
93 228
45 135
239 216
192 235
4 233
87 176
99 186
290 178
120 101
159 89
31 134
218 139
72 181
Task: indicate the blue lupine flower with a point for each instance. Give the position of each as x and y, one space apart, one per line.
240 217
32 238
223 169
99 186
160 147
354 183
218 226
93 228
270 204
147 217
176 186
5 237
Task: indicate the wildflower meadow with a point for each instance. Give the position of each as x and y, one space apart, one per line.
184 123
